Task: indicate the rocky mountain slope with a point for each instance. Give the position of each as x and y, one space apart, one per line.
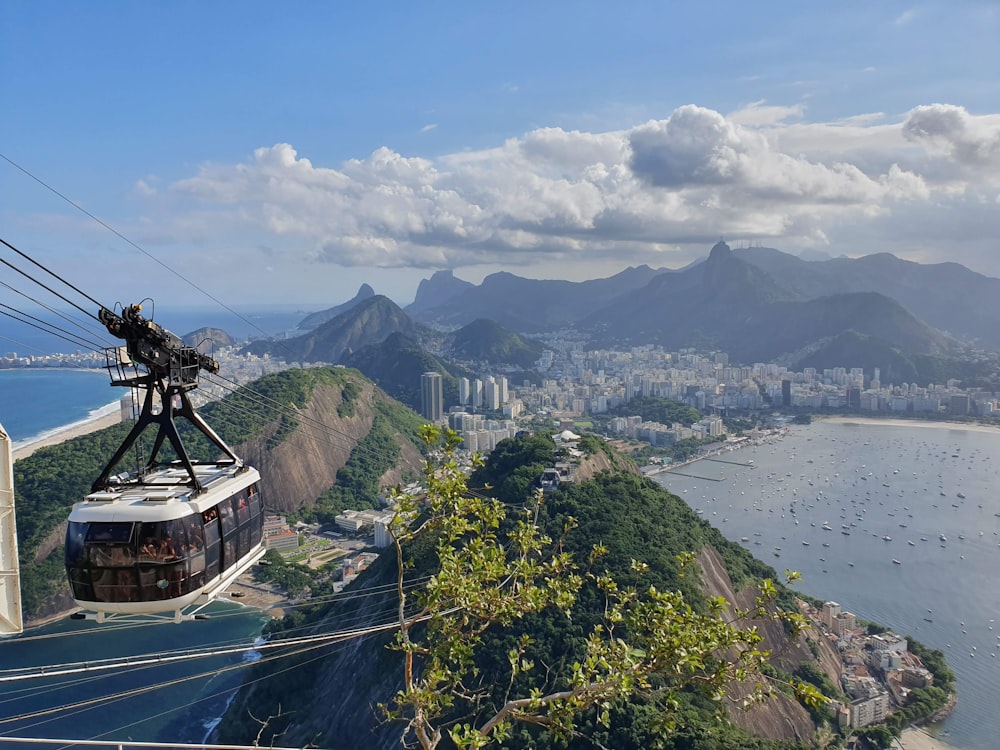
335 693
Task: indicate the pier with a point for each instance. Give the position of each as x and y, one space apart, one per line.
745 465
696 476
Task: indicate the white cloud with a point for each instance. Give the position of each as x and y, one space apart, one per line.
428 127
905 17
649 193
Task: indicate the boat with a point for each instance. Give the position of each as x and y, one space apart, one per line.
886 538
896 562
942 537
846 533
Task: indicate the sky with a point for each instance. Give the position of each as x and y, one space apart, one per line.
261 153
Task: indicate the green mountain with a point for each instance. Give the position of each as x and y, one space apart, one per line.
334 692
485 340
947 296
726 303
396 364
440 288
528 305
317 319
368 322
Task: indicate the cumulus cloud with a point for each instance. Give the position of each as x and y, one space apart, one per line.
645 194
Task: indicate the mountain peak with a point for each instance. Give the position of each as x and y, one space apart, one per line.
720 250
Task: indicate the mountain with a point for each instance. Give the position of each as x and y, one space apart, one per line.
531 305
485 340
317 319
335 691
729 304
438 289
206 339
368 322
308 432
396 364
947 296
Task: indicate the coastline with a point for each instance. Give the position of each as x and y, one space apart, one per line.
916 738
924 424
106 416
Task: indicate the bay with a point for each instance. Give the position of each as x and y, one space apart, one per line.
910 483
173 702
34 402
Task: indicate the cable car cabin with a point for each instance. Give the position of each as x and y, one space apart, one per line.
150 547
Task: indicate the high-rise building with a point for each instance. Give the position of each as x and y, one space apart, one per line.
431 396
464 391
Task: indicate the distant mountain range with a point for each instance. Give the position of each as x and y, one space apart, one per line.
758 304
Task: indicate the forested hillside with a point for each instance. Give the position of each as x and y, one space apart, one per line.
335 691
323 439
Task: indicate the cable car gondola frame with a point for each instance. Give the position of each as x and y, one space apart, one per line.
166 540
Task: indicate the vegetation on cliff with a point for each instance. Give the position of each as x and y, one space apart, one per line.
48 482
644 537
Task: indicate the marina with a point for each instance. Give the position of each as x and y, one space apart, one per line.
868 480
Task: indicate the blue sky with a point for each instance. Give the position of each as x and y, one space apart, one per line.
288 153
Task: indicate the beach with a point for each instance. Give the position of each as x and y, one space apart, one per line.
85 427
935 424
919 739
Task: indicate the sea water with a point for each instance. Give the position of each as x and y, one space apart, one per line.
36 402
172 702
895 490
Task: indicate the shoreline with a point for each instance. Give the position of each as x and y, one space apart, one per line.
918 738
106 416
924 424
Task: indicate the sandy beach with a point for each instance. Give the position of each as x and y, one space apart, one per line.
920 739
70 431
926 424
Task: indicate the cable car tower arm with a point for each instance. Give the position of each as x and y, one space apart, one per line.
169 369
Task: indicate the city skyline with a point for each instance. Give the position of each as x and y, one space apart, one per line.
294 156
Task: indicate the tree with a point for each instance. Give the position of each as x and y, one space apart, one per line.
491 572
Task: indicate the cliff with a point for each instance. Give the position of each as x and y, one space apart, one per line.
335 693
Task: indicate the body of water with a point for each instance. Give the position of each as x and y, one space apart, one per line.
36 402
190 696
899 524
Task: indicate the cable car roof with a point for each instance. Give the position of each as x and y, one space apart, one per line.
164 494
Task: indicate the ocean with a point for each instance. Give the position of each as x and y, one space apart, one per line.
34 402
896 490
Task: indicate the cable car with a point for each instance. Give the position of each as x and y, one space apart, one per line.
168 537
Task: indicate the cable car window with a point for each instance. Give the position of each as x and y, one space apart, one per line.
116 531
76 533
103 584
256 532
242 509
80 583
253 496
195 537
212 560
228 519
244 541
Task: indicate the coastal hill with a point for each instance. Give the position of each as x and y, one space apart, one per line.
330 418
726 303
947 296
370 321
636 519
316 319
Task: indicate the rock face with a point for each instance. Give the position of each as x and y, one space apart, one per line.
779 717
305 464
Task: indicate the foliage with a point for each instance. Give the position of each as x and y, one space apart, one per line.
357 482
493 571
657 409
294 579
